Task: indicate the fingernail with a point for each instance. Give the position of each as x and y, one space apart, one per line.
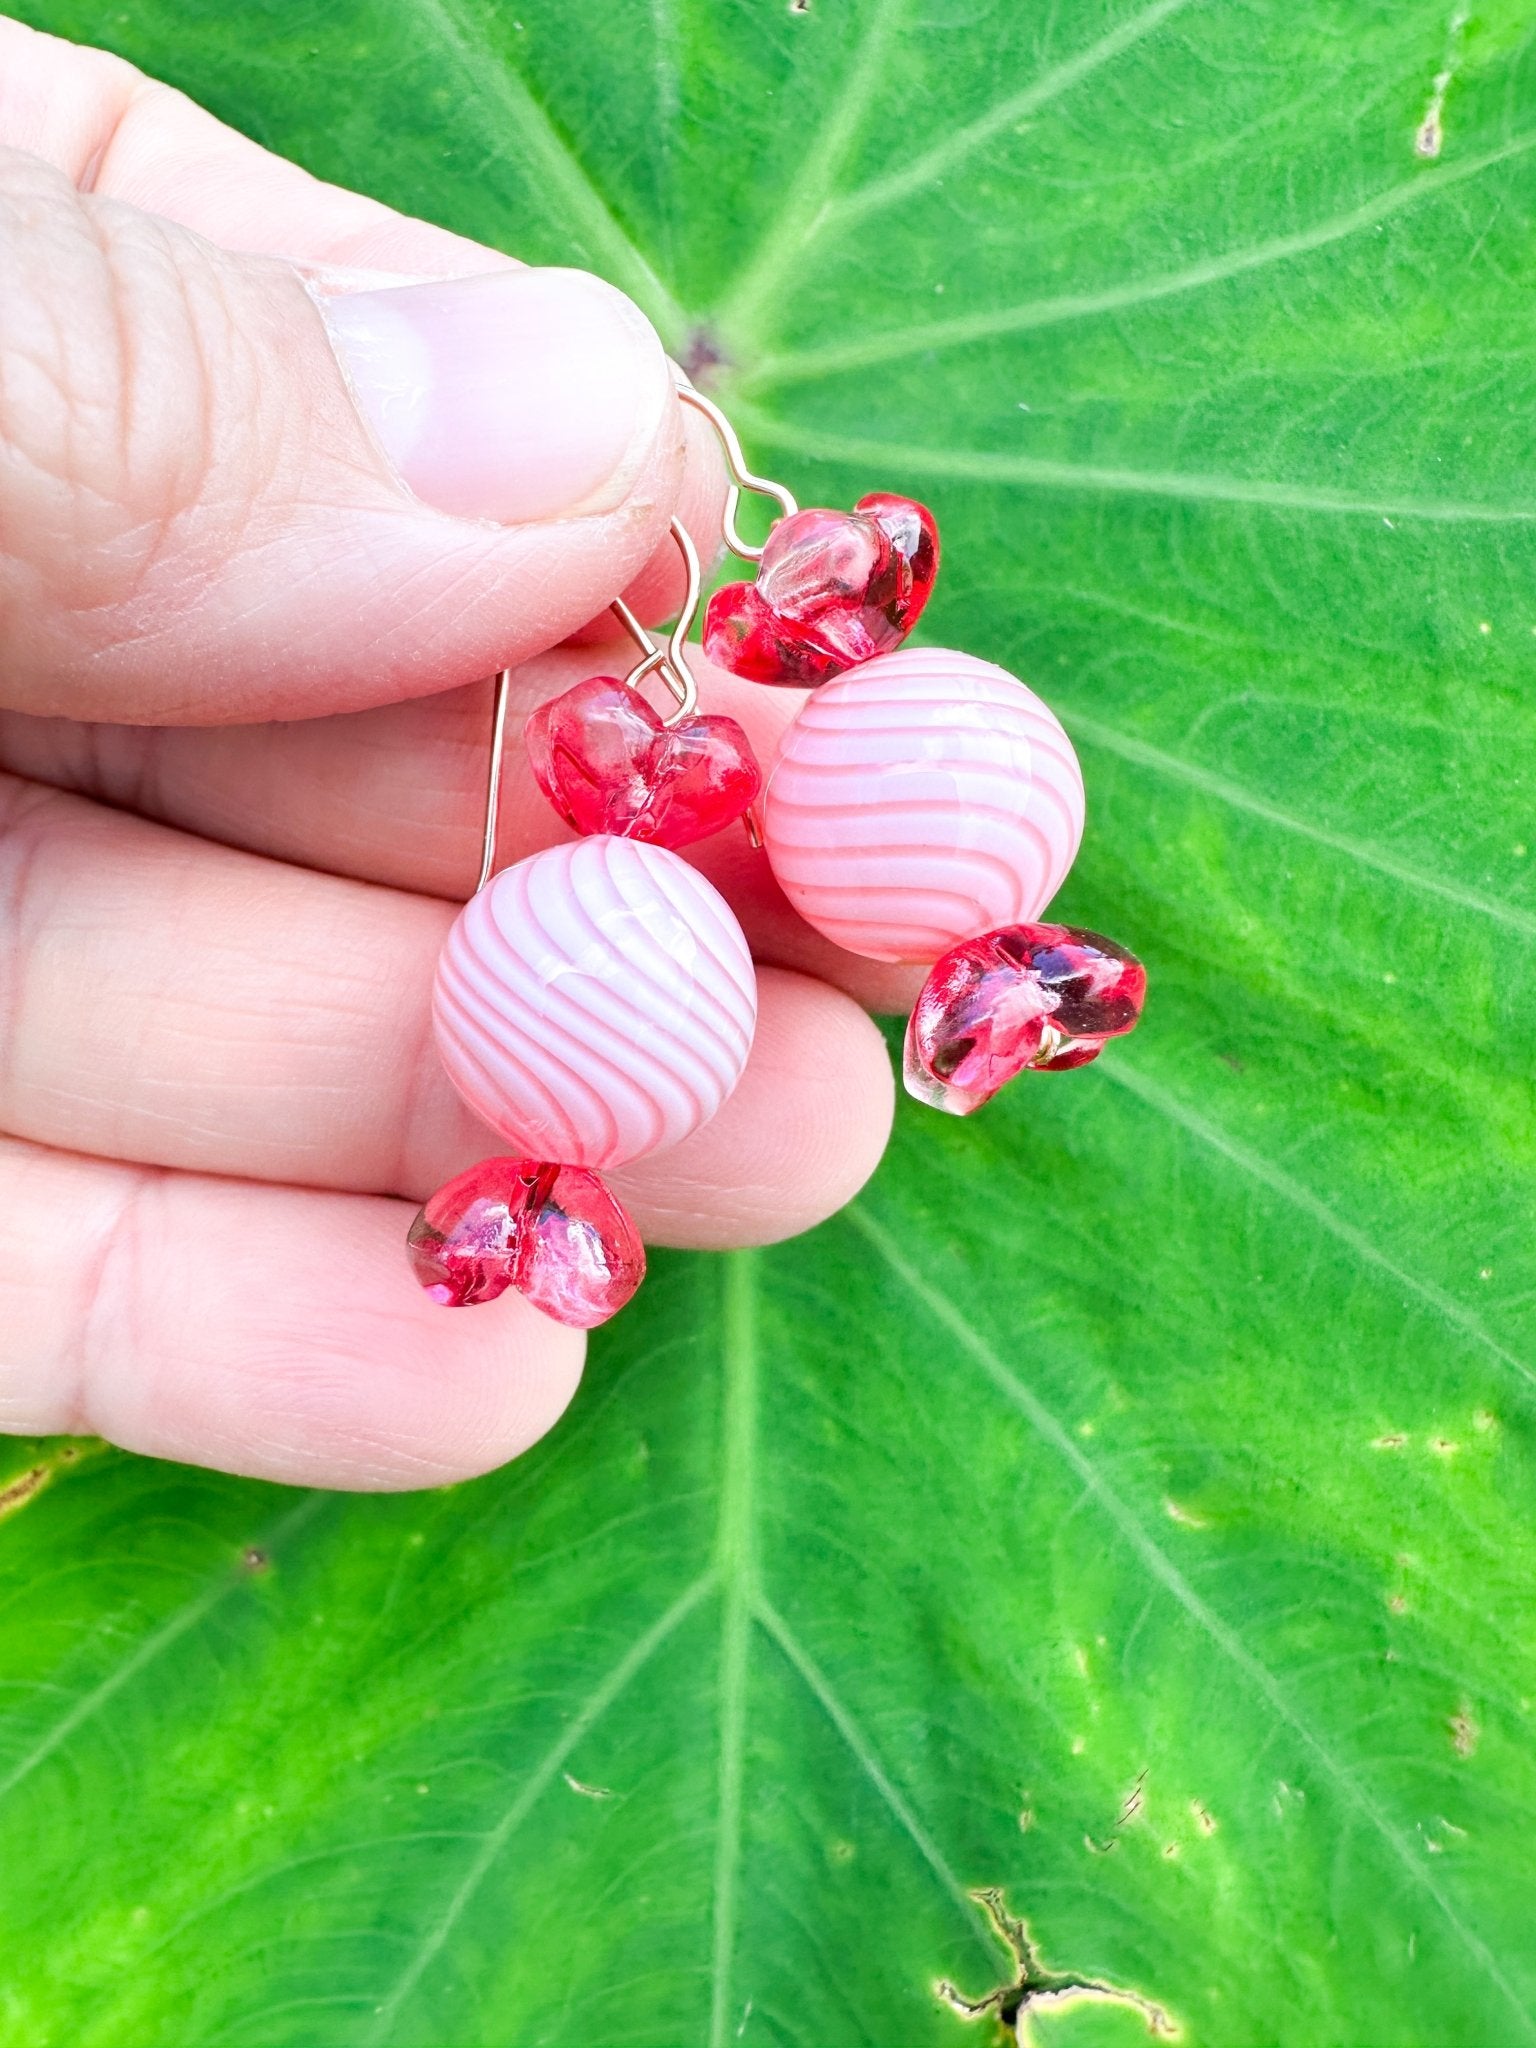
518 395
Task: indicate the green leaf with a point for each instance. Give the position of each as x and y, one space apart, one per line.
1125 1509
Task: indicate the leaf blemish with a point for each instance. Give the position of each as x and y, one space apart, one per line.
1183 1516
1465 1732
588 1791
1034 1988
1394 1442
1429 137
1134 1800
1205 1821
20 1490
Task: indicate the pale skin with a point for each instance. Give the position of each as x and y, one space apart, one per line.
242 740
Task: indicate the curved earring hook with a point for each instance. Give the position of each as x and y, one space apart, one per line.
669 662
742 478
672 662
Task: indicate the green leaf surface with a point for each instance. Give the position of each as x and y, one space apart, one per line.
1127 1506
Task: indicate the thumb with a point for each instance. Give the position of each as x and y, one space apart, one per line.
223 499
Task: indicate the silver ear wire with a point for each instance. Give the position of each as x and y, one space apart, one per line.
499 702
669 662
742 478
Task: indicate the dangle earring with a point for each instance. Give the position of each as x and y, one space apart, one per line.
925 805
596 1001
609 763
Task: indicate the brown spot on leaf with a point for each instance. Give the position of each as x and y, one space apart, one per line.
1134 1800
18 1491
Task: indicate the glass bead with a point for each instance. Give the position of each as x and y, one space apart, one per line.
608 763
554 1233
1041 996
595 1002
921 798
833 589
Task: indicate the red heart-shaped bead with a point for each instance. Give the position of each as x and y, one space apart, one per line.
555 1233
608 763
1046 996
833 589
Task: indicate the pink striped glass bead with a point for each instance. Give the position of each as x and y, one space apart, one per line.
919 800
595 1002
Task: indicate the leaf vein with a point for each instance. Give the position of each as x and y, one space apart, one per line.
974 465
170 1631
1162 1568
596 1704
1233 794
821 1689
1051 85
736 1568
1123 1075
795 219
530 127
936 335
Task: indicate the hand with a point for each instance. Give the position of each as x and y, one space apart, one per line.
259 522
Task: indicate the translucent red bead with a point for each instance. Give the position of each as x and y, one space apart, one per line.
1042 996
833 589
608 763
554 1233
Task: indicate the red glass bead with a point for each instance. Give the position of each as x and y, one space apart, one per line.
608 763
1045 996
833 589
742 634
555 1233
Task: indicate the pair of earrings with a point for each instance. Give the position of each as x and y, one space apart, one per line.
596 1002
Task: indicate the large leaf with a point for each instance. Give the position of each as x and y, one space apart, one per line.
1127 1506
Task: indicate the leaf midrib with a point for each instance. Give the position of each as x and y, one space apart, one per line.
736 1566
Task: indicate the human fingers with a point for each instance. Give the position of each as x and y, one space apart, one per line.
218 504
264 1330
395 795
120 135
178 1004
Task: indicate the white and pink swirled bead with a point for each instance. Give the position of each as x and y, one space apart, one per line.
919 799
596 1002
